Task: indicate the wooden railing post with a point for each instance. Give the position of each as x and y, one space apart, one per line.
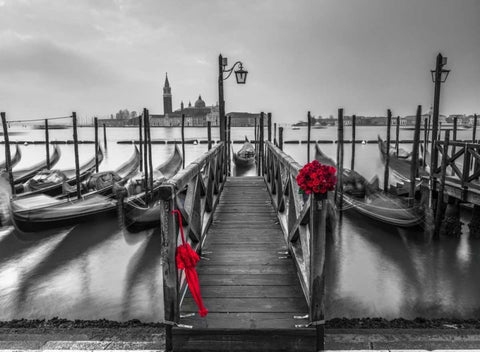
168 233
260 145
318 218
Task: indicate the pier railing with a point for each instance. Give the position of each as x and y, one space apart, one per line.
463 160
303 221
195 192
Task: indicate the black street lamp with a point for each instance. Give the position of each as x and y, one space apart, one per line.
240 75
439 76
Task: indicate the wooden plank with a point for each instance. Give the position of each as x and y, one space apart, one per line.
209 268
234 305
248 280
293 291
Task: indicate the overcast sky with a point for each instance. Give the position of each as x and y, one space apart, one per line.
96 57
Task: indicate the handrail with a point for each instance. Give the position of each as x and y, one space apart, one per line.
303 220
195 192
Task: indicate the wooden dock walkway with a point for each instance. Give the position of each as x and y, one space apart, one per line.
248 281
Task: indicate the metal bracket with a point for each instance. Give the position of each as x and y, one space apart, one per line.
184 326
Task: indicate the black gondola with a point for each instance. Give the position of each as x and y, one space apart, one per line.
245 156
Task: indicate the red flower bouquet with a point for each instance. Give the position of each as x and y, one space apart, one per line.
316 178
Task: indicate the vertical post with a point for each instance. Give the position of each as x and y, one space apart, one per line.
105 136
425 143
338 198
221 102
150 164
474 132
8 156
387 152
168 232
280 138
440 208
96 143
75 146
140 141
183 141
416 140
47 144
318 220
354 126
436 104
260 146
209 134
309 127
275 133
397 136
145 152
269 123
229 141
454 137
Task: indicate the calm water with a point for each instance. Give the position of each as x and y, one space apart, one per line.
99 271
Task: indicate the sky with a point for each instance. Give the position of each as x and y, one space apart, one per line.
96 57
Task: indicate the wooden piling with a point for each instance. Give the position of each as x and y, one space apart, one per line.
425 143
47 144
339 188
474 132
414 161
150 162
183 141
8 155
440 206
260 146
77 162
387 154
209 134
145 153
105 137
397 136
275 134
96 143
318 220
309 128
454 137
280 138
229 145
354 126
269 123
140 141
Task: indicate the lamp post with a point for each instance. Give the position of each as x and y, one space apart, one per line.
439 76
240 75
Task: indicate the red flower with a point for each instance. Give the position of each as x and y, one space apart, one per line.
316 178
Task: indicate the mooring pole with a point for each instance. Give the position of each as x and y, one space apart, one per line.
183 141
397 136
105 136
474 132
8 156
150 163
425 143
145 152
275 134
339 188
47 144
414 164
229 139
140 141
96 143
440 208
454 137
387 152
260 159
209 134
75 146
309 127
354 126
280 138
269 123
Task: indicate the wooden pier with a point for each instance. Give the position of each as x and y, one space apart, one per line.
263 248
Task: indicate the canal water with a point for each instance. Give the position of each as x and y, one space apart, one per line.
98 270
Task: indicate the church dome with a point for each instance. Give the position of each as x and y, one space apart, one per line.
199 103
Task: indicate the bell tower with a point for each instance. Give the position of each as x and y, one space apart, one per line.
167 97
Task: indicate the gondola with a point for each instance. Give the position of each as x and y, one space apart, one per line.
21 176
365 198
137 214
42 212
245 156
400 165
15 159
54 182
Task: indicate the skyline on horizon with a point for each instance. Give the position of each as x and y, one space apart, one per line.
365 57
